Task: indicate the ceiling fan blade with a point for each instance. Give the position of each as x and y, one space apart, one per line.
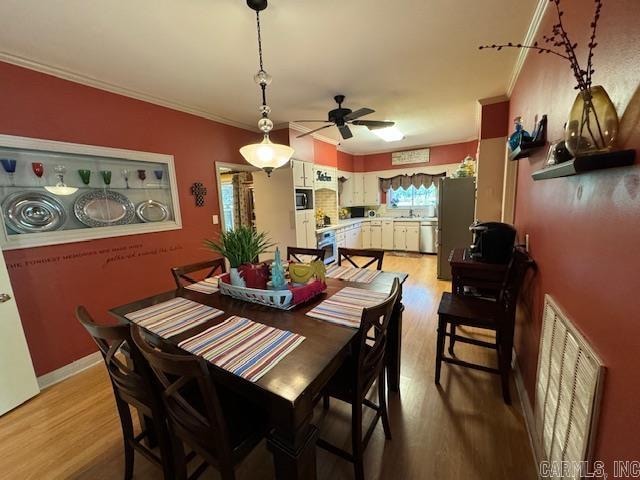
315 121
373 124
361 112
345 131
313 131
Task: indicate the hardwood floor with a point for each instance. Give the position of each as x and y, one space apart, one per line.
461 430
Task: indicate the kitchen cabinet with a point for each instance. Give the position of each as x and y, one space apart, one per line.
387 234
357 196
406 236
376 235
354 236
345 198
306 229
302 174
370 189
341 238
366 235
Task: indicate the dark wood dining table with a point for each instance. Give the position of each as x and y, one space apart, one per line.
288 391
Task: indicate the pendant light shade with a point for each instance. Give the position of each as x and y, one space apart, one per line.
266 154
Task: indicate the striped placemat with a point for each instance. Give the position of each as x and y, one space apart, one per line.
351 274
245 348
208 285
174 316
345 306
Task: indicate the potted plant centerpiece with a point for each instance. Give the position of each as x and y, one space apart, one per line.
242 246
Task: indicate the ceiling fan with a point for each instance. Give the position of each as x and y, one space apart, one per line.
343 117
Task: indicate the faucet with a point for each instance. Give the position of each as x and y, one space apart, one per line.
410 212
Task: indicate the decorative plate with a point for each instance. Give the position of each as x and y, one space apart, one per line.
152 211
103 208
32 212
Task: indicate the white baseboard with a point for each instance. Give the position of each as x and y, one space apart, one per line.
527 411
69 370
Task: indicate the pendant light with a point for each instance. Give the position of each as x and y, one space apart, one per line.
265 155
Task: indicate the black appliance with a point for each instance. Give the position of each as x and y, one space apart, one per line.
304 199
357 212
492 241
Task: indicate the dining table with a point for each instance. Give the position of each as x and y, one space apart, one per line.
288 392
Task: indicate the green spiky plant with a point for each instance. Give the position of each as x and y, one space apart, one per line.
241 245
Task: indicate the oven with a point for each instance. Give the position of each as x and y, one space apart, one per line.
327 242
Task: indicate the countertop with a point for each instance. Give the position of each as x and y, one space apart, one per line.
353 221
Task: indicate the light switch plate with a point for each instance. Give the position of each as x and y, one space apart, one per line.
215 219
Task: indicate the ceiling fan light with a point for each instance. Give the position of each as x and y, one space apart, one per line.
389 134
267 155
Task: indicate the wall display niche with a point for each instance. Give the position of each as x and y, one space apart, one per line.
56 192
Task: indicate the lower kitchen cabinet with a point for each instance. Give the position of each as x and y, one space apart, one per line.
376 236
406 236
306 229
387 234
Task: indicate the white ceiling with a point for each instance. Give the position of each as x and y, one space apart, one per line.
414 61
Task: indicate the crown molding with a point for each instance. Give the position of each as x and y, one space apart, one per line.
529 38
109 87
302 129
412 147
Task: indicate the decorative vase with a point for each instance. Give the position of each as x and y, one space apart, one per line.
593 123
255 275
236 278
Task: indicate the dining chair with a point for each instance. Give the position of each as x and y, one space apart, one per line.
374 255
180 274
133 386
497 316
218 426
357 375
294 252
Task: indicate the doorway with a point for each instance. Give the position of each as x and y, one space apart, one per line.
235 192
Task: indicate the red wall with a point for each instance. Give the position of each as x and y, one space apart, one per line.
492 124
41 106
325 153
584 230
439 155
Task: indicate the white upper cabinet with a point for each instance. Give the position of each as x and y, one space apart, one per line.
302 174
345 197
371 189
358 189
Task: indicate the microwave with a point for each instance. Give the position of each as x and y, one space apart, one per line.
304 199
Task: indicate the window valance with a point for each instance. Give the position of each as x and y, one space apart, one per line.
405 181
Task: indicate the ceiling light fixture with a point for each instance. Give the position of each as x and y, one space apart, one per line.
265 155
389 134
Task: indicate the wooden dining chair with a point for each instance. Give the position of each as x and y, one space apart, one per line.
373 255
218 426
355 378
294 252
133 385
181 277
497 316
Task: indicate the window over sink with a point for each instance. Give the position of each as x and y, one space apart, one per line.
413 197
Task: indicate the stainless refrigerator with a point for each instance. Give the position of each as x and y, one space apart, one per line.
456 207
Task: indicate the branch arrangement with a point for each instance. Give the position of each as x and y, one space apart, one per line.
559 39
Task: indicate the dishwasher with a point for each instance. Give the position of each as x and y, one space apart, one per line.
429 236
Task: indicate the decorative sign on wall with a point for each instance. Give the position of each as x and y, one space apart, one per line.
410 156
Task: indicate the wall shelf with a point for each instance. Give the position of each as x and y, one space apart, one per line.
587 163
527 148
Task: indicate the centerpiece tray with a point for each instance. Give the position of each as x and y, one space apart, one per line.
285 299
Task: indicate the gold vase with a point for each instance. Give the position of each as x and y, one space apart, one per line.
593 123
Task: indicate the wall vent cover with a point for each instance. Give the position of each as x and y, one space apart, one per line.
568 390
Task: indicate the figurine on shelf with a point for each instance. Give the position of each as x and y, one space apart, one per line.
278 281
517 137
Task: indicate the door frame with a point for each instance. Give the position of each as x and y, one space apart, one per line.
219 166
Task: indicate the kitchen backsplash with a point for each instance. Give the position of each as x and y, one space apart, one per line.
327 200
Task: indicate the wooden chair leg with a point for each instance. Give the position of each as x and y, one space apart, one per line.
356 439
164 445
326 401
442 327
127 437
179 459
382 401
452 339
